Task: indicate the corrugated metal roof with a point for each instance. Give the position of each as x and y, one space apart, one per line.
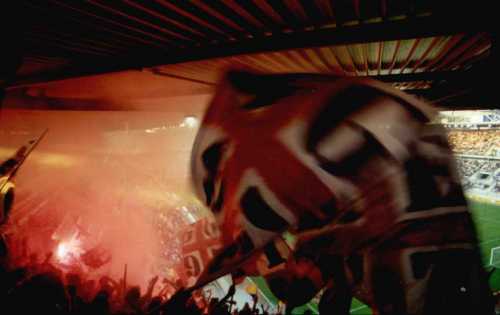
446 53
72 38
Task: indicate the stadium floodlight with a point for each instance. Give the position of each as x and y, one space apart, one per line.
495 257
189 121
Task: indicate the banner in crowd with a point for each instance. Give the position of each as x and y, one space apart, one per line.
200 242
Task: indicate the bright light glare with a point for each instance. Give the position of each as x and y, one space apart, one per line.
62 250
190 122
67 250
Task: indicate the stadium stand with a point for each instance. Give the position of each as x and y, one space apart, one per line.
476 142
478 159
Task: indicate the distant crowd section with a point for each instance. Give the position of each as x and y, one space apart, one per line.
478 158
479 175
475 142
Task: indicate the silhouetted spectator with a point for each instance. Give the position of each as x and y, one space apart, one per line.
133 300
154 306
100 304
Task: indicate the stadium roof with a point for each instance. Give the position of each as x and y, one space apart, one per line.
443 50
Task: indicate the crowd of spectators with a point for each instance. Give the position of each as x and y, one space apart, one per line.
468 168
478 143
475 142
34 287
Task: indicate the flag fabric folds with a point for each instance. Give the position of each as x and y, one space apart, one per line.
353 169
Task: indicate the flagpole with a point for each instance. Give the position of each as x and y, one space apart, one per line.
124 281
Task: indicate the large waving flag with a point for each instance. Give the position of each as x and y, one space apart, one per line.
348 164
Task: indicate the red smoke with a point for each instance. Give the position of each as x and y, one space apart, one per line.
98 181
